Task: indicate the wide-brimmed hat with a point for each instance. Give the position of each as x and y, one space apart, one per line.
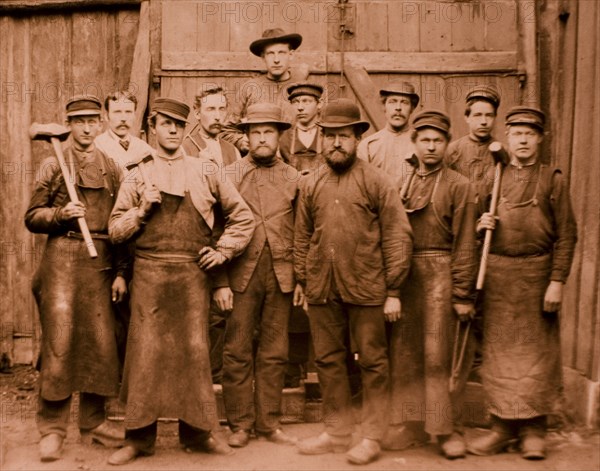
488 93
401 88
172 108
83 105
432 119
526 115
341 113
304 88
274 36
264 113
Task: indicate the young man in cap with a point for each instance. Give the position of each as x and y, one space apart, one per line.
438 294
351 277
276 48
73 291
389 148
530 259
168 209
301 145
117 141
210 109
263 284
469 155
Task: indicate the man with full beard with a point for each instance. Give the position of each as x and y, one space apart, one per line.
352 251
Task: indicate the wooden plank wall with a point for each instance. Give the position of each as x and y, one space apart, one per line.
44 60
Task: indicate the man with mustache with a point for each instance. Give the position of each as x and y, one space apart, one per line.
263 284
389 148
530 258
117 141
352 251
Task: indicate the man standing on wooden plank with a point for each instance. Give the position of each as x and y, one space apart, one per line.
390 148
352 251
73 291
117 141
530 258
276 48
263 284
168 209
438 294
210 109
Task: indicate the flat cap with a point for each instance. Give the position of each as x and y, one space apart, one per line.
304 88
341 113
488 93
401 88
432 119
274 36
264 113
172 108
526 115
84 105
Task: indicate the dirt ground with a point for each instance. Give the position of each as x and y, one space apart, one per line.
574 449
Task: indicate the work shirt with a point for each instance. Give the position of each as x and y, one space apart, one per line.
270 190
109 143
201 144
351 227
472 158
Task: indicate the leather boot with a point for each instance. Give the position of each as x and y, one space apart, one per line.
452 446
496 440
51 447
533 439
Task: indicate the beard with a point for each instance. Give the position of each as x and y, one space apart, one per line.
263 154
339 160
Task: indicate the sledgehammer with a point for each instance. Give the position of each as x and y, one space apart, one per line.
55 133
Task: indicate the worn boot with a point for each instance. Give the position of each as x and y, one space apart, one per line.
452 446
533 438
51 447
496 440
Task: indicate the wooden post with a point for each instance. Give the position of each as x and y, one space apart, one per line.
367 94
527 23
141 67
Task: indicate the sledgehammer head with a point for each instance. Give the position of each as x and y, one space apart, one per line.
499 155
45 132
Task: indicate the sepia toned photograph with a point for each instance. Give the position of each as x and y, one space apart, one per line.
300 235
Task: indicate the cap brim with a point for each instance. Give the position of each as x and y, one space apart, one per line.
413 96
172 115
363 125
526 123
282 125
84 113
433 126
257 47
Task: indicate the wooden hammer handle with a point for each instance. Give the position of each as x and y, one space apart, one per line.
83 227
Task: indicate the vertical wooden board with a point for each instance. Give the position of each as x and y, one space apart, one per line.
127 24
500 19
371 26
467 27
155 37
179 26
88 53
242 33
213 32
404 22
311 25
332 15
454 92
433 89
436 31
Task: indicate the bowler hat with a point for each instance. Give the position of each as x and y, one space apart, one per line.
526 115
432 119
304 88
274 36
488 93
83 105
264 113
172 108
341 113
401 88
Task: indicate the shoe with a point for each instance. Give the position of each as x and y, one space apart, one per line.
279 437
239 438
51 447
365 452
402 437
324 443
490 444
124 455
533 443
107 434
453 446
210 444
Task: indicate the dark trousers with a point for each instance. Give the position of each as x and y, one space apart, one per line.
264 308
217 320
53 416
144 438
330 324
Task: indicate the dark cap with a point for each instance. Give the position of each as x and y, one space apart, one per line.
401 88
264 113
340 113
432 119
298 89
488 93
83 105
526 115
172 108
274 36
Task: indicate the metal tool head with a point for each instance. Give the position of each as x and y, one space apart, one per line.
413 160
147 157
499 154
45 132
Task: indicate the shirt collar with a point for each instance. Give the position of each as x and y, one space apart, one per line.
176 156
420 173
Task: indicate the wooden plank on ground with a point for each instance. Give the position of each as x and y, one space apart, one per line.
139 82
367 94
